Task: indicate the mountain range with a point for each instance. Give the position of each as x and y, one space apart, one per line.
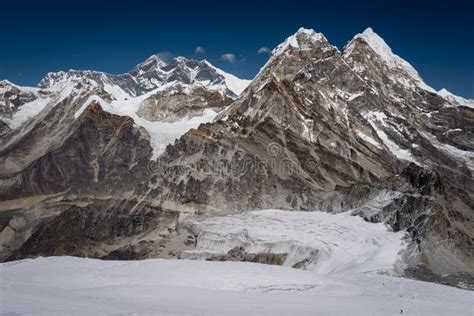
110 166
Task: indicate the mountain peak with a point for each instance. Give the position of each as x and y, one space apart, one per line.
303 39
152 62
7 82
181 59
153 58
378 45
444 92
309 32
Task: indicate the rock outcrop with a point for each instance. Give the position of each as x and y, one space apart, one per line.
180 101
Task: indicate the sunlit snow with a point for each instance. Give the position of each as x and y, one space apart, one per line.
67 285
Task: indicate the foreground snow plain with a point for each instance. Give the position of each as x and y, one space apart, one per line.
370 286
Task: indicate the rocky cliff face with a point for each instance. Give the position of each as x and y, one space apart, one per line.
181 101
317 129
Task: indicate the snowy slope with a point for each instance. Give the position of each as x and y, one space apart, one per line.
26 112
31 109
355 276
7 85
161 133
457 100
326 243
74 286
14 99
235 84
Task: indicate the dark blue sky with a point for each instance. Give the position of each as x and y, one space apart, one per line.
436 37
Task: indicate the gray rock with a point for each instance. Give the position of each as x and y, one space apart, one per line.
180 102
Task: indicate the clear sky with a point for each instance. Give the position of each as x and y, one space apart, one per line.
39 36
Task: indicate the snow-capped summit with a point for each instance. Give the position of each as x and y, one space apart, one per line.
57 80
391 60
152 62
189 72
456 100
6 82
302 39
293 52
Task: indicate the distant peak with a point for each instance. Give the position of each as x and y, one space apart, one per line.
207 62
444 92
181 58
455 99
56 73
153 57
154 61
5 81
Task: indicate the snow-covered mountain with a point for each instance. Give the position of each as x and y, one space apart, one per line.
154 73
166 99
356 131
318 129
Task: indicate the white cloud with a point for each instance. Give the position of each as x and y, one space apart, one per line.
264 50
199 50
228 57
